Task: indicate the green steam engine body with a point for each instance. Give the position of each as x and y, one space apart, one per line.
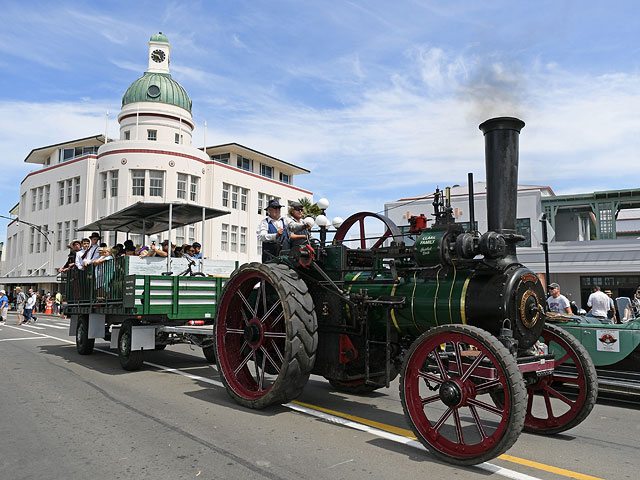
452 312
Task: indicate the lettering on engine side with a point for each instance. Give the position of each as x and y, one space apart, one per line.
529 277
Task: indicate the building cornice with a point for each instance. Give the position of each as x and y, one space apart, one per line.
161 115
70 162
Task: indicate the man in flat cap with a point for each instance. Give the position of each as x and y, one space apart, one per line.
556 302
272 232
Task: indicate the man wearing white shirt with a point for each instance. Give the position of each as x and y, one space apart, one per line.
82 253
29 306
272 232
599 303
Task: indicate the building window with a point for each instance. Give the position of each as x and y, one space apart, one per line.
32 240
234 238
114 183
152 135
192 234
67 232
179 236
156 183
225 194
177 138
245 163
61 193
224 237
47 191
59 236
266 170
193 193
40 197
221 157
243 239
33 199
66 154
69 190
76 184
234 196
137 182
243 199
45 229
103 180
261 197
23 204
38 235
127 135
523 227
182 185
74 228
285 178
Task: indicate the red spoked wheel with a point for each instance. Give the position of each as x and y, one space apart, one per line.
266 335
391 230
449 377
550 411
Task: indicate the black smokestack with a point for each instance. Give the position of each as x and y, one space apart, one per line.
501 136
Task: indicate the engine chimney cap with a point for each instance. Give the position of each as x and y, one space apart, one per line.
501 123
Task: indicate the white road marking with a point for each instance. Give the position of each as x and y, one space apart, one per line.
23 338
487 467
33 326
53 326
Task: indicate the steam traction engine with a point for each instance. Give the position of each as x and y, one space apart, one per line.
455 314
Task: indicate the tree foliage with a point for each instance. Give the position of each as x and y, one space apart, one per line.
309 208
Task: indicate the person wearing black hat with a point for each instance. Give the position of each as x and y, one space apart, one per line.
556 302
92 252
272 232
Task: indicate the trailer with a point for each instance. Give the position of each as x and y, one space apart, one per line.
141 304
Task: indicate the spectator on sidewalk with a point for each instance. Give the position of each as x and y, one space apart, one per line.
557 303
21 299
57 303
29 307
4 307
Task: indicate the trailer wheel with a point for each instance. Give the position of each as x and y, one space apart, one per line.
129 359
453 414
84 344
210 354
266 335
557 412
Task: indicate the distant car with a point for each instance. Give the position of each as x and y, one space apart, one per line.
614 348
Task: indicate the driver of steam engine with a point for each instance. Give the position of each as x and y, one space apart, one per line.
272 232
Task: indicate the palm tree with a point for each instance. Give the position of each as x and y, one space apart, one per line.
309 209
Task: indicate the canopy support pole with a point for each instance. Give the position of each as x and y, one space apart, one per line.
169 239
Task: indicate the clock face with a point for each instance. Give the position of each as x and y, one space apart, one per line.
158 56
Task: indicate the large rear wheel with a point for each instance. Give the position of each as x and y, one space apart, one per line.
266 335
447 379
548 410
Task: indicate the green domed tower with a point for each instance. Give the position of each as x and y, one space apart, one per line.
156 84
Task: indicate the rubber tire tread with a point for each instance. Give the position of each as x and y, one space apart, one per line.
136 357
210 354
591 382
302 334
86 344
514 378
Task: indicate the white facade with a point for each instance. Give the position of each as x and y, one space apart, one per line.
153 161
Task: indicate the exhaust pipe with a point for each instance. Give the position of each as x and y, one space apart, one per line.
501 137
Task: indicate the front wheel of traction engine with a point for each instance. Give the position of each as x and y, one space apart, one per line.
266 335
447 382
129 359
548 410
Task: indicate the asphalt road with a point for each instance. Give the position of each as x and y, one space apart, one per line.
68 416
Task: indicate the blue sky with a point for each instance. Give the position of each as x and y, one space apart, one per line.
380 100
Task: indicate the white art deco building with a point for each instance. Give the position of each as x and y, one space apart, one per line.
153 160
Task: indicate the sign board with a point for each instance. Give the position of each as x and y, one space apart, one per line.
608 340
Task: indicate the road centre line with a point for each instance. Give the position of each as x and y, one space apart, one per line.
396 434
